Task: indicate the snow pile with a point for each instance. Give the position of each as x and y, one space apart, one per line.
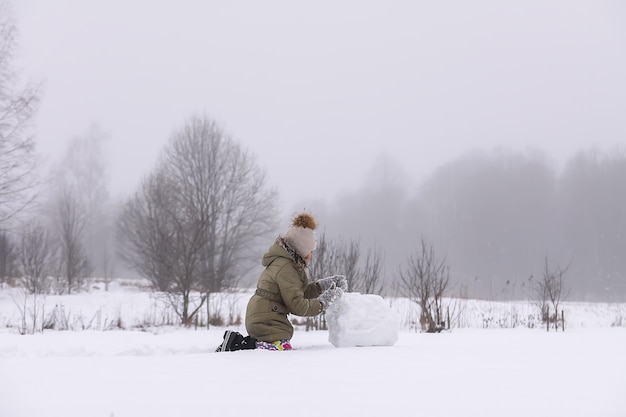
361 320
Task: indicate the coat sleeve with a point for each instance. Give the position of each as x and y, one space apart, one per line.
293 291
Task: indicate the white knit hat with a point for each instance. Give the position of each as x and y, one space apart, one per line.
301 234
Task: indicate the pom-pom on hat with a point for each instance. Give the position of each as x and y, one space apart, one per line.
301 234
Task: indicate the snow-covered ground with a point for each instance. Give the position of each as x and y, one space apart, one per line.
170 371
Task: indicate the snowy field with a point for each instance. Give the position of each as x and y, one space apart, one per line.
169 371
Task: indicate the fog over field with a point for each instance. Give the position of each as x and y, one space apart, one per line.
492 131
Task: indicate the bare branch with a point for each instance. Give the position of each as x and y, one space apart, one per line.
425 281
195 221
18 162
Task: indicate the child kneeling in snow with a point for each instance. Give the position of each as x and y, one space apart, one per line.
283 289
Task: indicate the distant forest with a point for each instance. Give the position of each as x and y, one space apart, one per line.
497 217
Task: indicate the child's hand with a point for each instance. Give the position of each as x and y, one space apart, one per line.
330 296
341 282
327 283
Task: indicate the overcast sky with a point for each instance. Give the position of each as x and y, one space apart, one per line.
318 91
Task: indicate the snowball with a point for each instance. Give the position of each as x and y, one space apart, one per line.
361 320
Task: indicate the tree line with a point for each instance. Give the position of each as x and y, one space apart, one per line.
496 216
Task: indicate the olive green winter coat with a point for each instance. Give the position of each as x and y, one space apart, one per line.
282 289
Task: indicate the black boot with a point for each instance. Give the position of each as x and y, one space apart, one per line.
248 343
227 343
235 341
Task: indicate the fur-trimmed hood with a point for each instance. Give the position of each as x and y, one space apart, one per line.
295 256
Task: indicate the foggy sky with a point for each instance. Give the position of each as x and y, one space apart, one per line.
319 91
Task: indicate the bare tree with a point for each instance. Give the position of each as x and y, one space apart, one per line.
371 279
18 162
35 256
195 223
326 259
336 257
108 265
343 257
551 291
74 264
425 281
145 235
31 308
350 254
83 173
8 257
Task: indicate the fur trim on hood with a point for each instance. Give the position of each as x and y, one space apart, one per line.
292 252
